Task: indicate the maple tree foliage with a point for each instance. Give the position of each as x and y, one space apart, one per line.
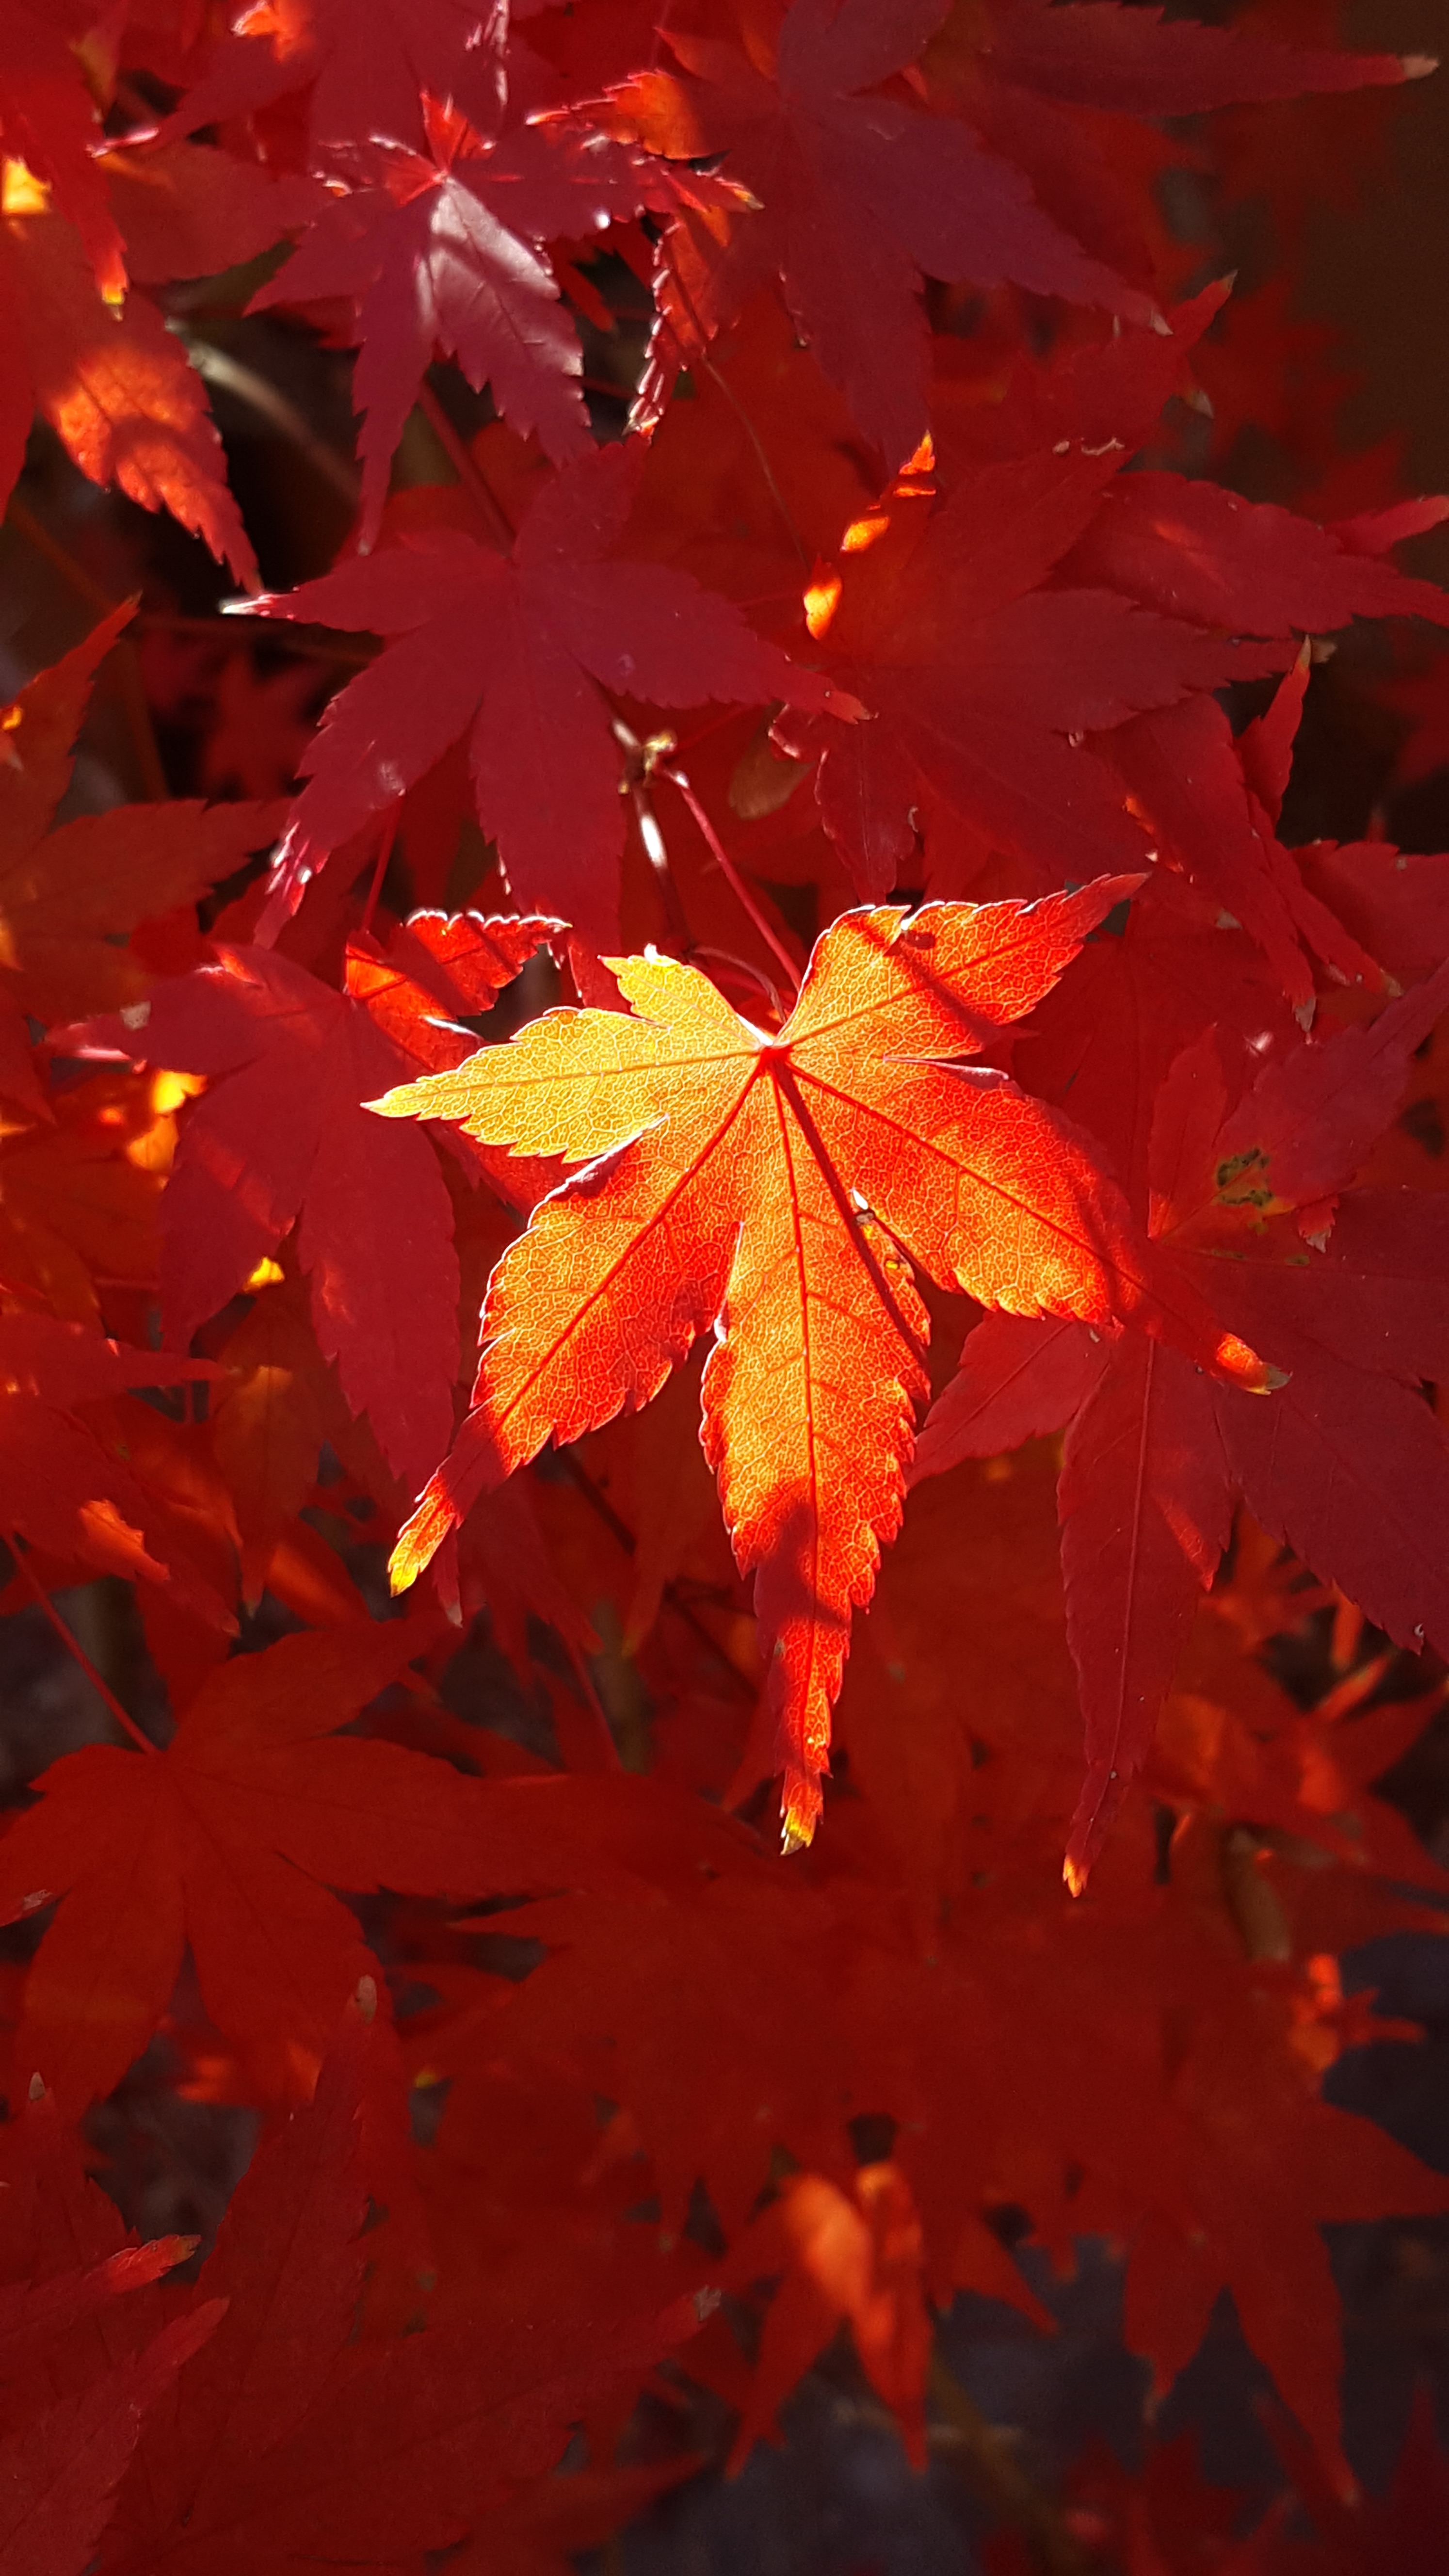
745 1041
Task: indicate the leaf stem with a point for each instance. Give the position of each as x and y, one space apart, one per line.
72 1643
384 853
733 879
657 854
620 1531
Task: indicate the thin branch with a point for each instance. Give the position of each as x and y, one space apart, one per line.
218 367
465 466
128 669
705 361
71 1643
752 974
224 630
620 1531
1002 2484
384 853
734 880
655 850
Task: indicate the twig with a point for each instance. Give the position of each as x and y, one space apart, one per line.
128 669
752 974
655 850
705 361
619 1530
384 853
218 367
1002 2483
72 1644
465 466
224 630
733 879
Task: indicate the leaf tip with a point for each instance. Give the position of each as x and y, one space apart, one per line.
799 1814
1239 1363
420 1538
1075 1874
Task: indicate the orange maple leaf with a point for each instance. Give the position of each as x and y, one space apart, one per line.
115 387
762 1184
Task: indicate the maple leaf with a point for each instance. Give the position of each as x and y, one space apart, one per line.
443 256
291 1063
856 2257
1096 53
68 893
983 681
80 1193
289 2439
262 727
1340 1304
760 1185
61 1485
30 2310
1192 549
1096 2067
365 66
895 193
115 387
189 211
221 1841
84 2350
48 120
58 2474
516 652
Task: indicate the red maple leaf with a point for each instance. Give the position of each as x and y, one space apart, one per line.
860 192
63 1485
292 1063
993 631
70 890
517 652
115 387
443 256
364 68
221 1841
1097 53
48 120
290 2438
1349 1456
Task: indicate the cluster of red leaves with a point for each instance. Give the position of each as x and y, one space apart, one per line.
882 746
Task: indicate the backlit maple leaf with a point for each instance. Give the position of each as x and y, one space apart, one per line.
759 1185
187 210
984 677
1098 53
1037 643
116 388
48 120
362 66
